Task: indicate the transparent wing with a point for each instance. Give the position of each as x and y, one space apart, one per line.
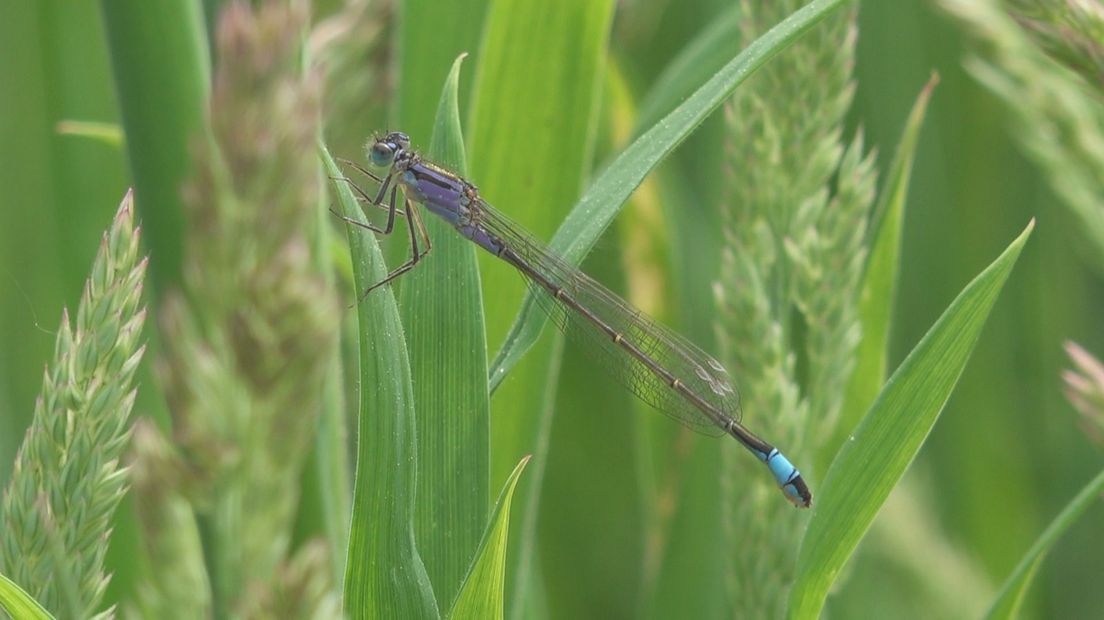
704 375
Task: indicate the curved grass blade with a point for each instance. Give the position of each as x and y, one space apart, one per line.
384 575
601 203
1007 604
159 54
18 604
327 481
442 307
326 489
481 595
879 287
870 464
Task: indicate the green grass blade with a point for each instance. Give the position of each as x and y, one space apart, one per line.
879 285
442 308
601 203
1007 604
159 54
327 476
889 437
326 487
18 604
384 575
485 584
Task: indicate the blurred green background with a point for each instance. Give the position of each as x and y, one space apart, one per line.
1005 456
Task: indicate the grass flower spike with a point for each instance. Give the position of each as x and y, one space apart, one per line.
251 338
59 504
796 207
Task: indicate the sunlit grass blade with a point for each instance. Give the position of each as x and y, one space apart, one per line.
603 200
889 437
481 595
442 309
18 604
1007 604
879 287
384 575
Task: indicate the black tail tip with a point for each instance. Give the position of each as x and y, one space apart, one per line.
798 493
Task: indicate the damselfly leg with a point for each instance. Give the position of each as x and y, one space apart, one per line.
414 221
415 254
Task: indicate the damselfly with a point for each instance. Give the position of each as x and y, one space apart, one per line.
658 365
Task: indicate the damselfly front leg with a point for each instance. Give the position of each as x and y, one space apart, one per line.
375 202
409 212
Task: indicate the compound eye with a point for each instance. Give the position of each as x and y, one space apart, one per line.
381 154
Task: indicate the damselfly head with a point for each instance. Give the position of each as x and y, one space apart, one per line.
383 151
